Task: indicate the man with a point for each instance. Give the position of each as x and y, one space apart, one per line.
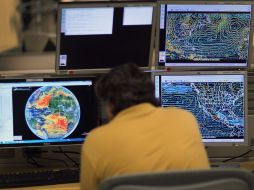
140 136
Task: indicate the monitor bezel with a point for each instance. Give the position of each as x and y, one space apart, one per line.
209 2
244 73
49 78
102 4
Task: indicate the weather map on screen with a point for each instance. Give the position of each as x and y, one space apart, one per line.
205 35
46 111
52 112
216 101
202 36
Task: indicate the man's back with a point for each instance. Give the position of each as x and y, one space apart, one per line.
143 138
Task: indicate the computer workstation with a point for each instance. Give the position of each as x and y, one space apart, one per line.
43 111
118 36
205 36
61 110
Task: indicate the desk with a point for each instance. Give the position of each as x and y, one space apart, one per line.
247 165
67 186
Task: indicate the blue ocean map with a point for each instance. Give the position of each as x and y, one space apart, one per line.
207 36
218 106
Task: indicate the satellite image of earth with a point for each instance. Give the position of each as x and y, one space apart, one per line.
52 112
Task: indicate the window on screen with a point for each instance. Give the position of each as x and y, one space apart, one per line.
104 37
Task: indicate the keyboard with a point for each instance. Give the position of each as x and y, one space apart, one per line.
39 177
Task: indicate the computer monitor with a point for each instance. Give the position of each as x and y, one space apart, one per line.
203 34
218 100
46 111
93 37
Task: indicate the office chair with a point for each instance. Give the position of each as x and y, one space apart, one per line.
213 179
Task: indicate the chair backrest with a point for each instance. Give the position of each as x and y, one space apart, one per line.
213 179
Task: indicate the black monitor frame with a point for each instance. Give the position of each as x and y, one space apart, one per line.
191 73
91 123
206 67
103 4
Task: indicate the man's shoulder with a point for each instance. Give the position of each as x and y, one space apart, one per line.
98 130
99 133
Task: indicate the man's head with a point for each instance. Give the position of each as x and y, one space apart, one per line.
125 86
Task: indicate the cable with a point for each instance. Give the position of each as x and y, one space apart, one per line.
53 159
30 158
241 155
67 152
34 162
75 163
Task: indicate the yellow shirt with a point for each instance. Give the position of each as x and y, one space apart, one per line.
142 138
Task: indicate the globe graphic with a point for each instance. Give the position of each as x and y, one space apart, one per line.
52 112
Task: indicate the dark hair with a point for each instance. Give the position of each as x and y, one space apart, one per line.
125 86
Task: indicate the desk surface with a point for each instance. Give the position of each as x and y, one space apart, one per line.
249 165
67 186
